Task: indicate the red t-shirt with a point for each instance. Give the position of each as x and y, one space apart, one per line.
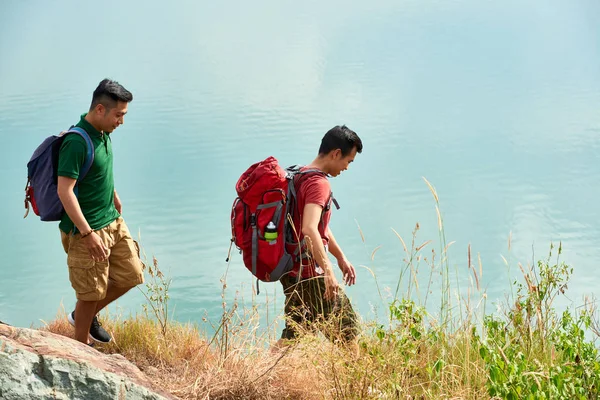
312 189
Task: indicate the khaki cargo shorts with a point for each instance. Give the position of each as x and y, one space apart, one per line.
123 268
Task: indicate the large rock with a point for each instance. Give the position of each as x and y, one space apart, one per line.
42 365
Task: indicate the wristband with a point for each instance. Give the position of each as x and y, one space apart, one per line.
87 233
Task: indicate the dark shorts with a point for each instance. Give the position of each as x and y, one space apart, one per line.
306 308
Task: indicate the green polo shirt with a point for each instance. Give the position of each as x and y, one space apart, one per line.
96 191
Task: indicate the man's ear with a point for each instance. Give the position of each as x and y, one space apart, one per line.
337 154
100 109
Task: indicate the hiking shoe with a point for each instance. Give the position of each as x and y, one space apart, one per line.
97 332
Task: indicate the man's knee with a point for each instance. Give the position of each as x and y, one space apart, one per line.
119 288
85 310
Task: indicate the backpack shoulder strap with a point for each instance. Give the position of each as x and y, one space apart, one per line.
295 176
299 176
89 156
312 171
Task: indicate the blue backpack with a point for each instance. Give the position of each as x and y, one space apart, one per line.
42 178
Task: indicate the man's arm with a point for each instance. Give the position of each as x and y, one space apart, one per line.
310 229
118 204
345 265
334 248
70 203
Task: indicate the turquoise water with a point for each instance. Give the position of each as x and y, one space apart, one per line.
496 103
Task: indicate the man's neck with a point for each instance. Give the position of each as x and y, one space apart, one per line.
320 163
92 122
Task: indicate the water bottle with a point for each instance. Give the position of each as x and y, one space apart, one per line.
271 233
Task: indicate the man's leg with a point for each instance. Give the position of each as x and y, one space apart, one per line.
124 271
85 312
293 310
89 279
125 265
342 323
112 293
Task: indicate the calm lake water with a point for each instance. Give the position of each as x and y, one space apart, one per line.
496 103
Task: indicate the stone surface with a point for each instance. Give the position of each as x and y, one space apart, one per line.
42 365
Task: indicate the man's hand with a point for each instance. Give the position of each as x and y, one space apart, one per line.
348 271
331 286
118 204
96 247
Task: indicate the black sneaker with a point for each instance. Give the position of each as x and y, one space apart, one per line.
97 332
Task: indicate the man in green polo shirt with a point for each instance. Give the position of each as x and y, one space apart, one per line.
102 256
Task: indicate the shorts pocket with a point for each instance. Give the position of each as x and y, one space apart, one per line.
82 274
136 245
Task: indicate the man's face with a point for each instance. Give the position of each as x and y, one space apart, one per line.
113 117
341 163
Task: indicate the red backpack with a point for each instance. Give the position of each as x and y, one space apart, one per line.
261 218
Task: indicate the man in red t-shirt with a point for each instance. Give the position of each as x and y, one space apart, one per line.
316 300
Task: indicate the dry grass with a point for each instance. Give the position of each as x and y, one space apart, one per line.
411 356
183 363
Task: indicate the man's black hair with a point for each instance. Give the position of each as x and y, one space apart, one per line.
340 137
108 93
